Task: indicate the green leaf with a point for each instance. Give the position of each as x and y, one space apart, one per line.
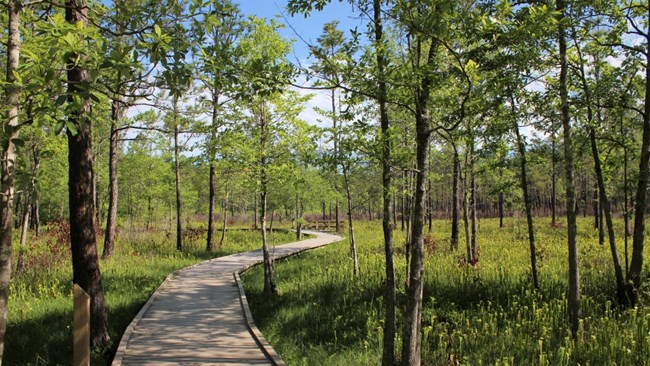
18 142
60 100
72 128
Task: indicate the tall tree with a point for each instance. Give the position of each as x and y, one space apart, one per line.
574 275
218 31
85 265
8 160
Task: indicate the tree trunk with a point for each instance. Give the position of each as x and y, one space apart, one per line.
500 209
388 349
85 264
111 220
640 203
468 244
7 173
411 346
430 207
604 207
255 216
553 177
225 220
353 244
626 209
211 203
270 288
454 200
574 275
521 146
36 216
177 171
472 203
596 206
23 239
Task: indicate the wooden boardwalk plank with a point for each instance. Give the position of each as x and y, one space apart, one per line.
196 317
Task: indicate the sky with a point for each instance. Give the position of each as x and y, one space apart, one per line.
305 31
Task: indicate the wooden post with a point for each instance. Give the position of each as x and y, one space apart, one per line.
81 328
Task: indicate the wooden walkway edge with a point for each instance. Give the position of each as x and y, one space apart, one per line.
200 315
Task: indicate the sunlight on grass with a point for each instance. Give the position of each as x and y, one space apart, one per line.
488 315
40 305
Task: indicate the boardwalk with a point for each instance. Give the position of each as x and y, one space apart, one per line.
196 316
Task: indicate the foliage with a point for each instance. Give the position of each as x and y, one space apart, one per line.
485 315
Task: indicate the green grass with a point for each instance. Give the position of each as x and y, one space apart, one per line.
488 315
40 305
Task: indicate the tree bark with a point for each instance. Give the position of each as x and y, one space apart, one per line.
177 171
211 204
472 202
521 146
111 220
7 174
388 349
85 263
353 244
574 275
454 202
270 287
501 210
411 345
225 220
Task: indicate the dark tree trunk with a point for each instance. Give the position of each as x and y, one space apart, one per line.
353 244
225 219
23 239
500 209
411 345
111 220
36 214
521 146
85 263
604 207
626 209
640 203
454 200
430 206
211 203
472 203
596 207
177 171
388 350
255 216
574 275
553 177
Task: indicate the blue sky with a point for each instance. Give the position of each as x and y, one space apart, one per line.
303 30
306 28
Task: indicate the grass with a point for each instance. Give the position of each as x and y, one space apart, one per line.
40 305
484 315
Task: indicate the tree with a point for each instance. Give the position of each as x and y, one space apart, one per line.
85 266
218 33
265 74
574 276
8 160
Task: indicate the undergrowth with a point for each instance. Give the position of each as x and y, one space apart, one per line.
482 314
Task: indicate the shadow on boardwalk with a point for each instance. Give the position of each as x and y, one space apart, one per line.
196 316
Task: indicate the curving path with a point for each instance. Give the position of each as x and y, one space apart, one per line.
196 316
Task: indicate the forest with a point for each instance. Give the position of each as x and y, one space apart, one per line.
486 160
